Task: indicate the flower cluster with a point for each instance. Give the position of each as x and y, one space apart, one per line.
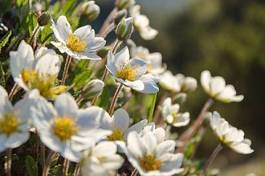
71 107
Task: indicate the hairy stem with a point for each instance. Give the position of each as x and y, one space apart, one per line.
65 167
46 168
8 162
107 22
13 91
212 157
66 68
115 98
187 135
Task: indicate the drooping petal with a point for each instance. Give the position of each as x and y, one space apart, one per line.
61 29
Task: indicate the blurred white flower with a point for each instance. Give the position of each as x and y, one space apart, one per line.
150 154
131 72
153 60
171 114
36 72
119 125
142 24
177 83
229 135
80 44
14 121
217 88
66 129
101 160
91 10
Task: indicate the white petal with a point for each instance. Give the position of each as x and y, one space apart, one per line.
122 58
182 120
229 94
139 65
165 147
111 63
205 80
61 29
138 127
15 140
96 44
173 165
21 59
84 33
150 85
66 106
160 134
217 85
150 142
148 33
242 147
105 149
5 104
121 119
135 146
112 162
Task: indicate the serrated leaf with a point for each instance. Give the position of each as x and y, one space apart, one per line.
5 39
31 166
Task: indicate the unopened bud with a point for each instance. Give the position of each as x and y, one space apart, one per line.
44 19
124 4
181 98
91 10
93 88
189 84
124 29
122 14
103 52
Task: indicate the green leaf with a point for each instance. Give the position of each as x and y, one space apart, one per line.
5 39
150 102
31 166
67 6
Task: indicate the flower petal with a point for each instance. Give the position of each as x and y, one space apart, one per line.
121 119
61 29
65 105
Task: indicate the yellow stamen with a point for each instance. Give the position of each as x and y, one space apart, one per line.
116 135
75 43
45 83
127 73
9 124
64 128
149 163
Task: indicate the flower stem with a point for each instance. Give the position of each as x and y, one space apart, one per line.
8 162
42 155
13 91
115 98
46 168
66 68
77 169
107 22
212 157
186 135
134 172
65 167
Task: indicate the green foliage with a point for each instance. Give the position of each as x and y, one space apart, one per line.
5 39
150 103
31 166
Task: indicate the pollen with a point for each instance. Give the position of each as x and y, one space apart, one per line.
127 73
45 83
150 163
75 43
64 128
9 124
117 135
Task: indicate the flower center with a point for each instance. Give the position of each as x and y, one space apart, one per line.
149 163
75 43
117 135
45 83
127 73
9 124
64 128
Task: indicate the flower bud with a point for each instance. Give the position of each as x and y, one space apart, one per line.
103 52
124 29
44 19
122 14
91 10
181 98
124 4
189 84
93 88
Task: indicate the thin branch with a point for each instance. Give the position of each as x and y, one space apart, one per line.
212 157
115 98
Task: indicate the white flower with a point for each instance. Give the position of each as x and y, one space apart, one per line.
151 155
14 122
217 88
36 72
80 44
177 83
229 135
131 72
101 160
171 114
119 125
153 60
66 129
142 24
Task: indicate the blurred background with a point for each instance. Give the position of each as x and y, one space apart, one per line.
226 37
